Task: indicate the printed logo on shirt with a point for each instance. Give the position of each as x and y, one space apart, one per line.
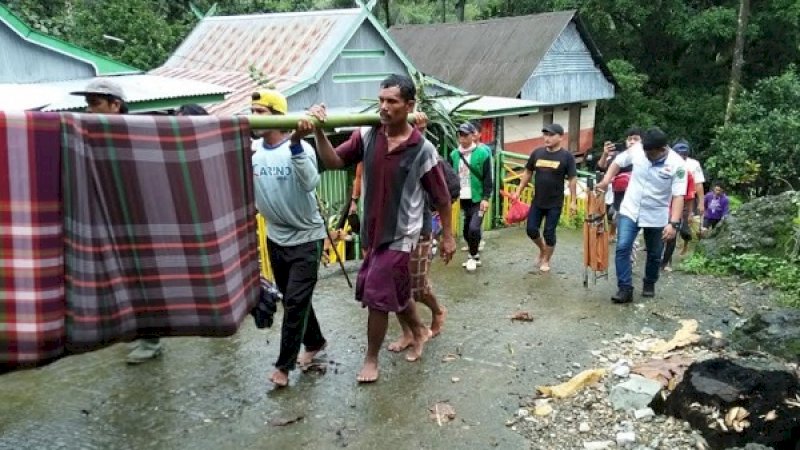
279 172
547 164
680 173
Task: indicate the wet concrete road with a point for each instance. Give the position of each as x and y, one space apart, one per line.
214 394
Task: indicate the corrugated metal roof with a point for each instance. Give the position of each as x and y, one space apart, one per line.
290 49
138 88
489 57
489 106
102 65
240 85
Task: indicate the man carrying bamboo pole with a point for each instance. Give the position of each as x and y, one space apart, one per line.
400 167
286 175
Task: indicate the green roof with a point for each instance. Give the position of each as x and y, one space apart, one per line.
102 65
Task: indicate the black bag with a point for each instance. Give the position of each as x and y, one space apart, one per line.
453 182
267 305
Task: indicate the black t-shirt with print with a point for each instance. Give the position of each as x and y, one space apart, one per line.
550 169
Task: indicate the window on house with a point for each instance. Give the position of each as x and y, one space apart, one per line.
547 116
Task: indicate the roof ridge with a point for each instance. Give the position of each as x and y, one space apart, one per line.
571 13
338 11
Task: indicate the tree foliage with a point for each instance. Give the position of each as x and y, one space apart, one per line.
759 151
672 58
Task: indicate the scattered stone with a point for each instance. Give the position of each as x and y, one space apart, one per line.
644 413
625 438
647 331
636 393
621 368
584 427
597 445
523 412
543 410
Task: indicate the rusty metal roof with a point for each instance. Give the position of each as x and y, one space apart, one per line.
289 48
488 57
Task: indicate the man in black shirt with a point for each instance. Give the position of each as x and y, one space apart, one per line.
552 165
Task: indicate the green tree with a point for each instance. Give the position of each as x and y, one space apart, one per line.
758 151
148 38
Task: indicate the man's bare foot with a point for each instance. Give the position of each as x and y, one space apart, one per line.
401 344
368 373
307 357
437 324
414 352
279 378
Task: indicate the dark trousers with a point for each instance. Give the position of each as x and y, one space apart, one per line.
472 225
551 217
627 230
295 269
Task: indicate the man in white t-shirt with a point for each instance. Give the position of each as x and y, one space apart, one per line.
658 177
693 166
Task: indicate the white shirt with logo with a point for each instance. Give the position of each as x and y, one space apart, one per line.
652 186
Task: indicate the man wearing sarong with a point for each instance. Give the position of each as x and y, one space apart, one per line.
400 167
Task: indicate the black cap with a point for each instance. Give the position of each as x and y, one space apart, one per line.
654 139
467 128
553 128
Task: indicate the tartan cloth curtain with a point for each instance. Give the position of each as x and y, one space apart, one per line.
31 251
159 225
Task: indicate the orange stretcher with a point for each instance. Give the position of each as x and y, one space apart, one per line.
595 236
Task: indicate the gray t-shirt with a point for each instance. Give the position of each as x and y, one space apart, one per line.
284 187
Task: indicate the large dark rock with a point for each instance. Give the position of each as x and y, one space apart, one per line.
722 384
776 332
763 225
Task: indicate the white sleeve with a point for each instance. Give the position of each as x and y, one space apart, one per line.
305 164
679 181
697 173
625 158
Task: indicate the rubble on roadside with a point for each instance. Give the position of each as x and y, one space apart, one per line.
621 409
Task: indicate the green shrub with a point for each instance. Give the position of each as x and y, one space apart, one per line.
781 274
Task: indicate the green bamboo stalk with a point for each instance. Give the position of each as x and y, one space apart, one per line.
289 122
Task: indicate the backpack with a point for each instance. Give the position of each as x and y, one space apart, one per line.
453 182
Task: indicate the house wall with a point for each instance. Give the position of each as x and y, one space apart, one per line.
356 73
522 134
567 73
24 62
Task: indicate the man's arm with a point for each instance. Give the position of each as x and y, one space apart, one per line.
699 193
602 163
434 184
448 244
305 167
573 195
523 183
675 213
612 171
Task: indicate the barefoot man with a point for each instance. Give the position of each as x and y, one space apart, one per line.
400 167
419 266
286 174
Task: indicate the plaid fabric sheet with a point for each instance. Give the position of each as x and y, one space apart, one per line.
31 251
160 231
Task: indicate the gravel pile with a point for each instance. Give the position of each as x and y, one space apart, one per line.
587 419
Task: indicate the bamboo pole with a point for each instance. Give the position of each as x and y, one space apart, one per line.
289 121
